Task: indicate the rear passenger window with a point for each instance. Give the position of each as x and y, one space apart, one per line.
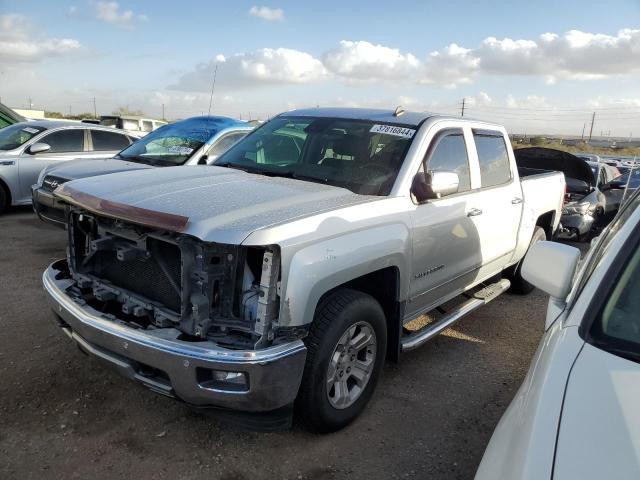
108 140
71 140
450 155
493 158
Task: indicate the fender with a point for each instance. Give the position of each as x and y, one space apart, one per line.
318 268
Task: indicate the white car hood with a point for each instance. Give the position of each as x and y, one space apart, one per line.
221 205
599 434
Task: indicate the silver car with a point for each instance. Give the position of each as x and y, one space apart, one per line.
28 147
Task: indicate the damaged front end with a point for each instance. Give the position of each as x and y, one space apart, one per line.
149 278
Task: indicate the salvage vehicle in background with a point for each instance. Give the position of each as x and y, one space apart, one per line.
133 124
576 415
286 273
194 141
591 201
27 148
9 116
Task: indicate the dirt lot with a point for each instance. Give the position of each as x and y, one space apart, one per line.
64 416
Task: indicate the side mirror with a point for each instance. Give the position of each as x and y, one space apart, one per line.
551 266
38 147
203 160
434 185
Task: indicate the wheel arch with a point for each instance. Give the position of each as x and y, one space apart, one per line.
546 221
5 186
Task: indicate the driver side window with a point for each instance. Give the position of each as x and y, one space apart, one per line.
450 155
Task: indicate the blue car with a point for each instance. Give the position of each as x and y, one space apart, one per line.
194 141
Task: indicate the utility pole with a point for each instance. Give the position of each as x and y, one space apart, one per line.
30 103
584 125
69 110
95 110
462 114
593 119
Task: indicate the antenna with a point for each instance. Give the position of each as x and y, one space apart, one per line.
213 86
398 111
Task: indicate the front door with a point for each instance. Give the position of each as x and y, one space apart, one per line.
65 145
445 241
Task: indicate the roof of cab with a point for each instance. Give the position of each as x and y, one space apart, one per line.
213 121
409 119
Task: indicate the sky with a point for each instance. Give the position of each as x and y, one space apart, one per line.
537 67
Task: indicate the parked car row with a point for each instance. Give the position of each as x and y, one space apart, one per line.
595 189
195 141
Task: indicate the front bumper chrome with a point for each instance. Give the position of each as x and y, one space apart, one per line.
273 373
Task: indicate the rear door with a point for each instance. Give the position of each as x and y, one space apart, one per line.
104 143
65 144
499 200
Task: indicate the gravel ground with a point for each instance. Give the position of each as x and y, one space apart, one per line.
64 416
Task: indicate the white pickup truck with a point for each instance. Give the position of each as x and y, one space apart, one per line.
281 277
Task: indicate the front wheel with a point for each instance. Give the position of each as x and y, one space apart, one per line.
514 273
345 353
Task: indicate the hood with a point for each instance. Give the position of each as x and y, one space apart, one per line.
599 435
214 204
550 159
90 167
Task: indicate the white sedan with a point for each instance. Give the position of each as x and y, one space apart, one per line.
577 414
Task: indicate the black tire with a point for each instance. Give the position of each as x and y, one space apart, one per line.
4 199
335 316
518 284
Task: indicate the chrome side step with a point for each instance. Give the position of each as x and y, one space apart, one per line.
477 300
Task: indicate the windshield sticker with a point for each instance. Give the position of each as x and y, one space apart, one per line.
180 150
30 130
393 130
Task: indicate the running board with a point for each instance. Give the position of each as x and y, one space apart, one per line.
477 300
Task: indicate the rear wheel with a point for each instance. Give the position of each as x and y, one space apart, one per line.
514 274
345 353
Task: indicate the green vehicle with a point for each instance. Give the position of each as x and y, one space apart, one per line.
9 117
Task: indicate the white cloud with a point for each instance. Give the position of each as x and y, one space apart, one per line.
364 61
20 42
266 66
110 12
574 55
451 66
266 13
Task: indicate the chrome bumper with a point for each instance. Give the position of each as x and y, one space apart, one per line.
48 208
273 374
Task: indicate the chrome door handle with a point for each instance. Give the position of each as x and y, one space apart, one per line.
516 200
474 212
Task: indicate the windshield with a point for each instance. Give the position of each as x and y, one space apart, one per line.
359 155
618 328
169 145
16 135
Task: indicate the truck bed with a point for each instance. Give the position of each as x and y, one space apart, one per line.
528 173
